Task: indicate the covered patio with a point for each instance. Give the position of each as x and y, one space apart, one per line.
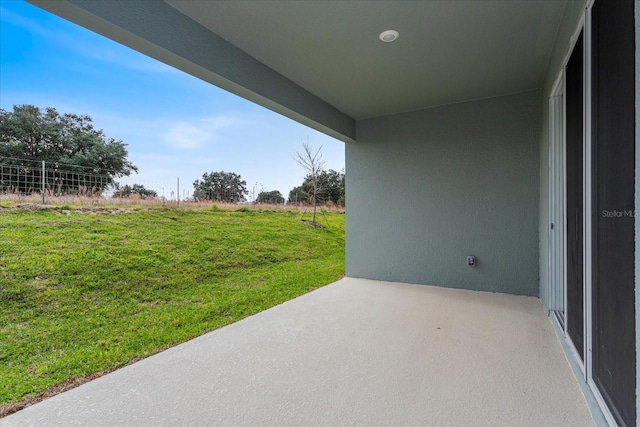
502 130
356 352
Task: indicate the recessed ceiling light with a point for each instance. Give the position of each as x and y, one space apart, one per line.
389 36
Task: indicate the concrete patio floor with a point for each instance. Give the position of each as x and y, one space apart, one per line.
356 352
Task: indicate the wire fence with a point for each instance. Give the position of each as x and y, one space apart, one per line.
55 182
27 177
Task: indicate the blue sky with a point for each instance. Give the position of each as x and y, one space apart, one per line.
174 124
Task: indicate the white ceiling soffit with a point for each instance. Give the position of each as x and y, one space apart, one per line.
322 62
447 51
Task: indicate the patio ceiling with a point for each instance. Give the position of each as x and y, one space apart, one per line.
447 51
321 62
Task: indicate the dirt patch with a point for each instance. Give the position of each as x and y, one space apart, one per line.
34 207
91 210
314 224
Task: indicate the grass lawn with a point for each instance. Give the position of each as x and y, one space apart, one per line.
83 292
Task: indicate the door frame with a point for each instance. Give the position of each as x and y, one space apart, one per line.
557 204
557 275
558 255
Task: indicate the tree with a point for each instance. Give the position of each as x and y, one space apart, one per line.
69 142
300 194
332 184
333 187
139 189
220 186
342 201
271 197
312 163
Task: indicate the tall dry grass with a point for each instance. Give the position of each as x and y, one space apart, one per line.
86 198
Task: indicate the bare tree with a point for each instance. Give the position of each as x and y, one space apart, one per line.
312 163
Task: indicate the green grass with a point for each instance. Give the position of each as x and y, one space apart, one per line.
83 292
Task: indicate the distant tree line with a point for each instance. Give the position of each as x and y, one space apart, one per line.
126 191
81 159
331 184
270 197
318 187
229 187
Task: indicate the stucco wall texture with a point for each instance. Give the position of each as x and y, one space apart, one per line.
450 181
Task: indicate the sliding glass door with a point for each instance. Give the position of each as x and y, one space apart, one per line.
592 192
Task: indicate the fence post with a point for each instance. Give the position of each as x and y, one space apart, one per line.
178 193
43 179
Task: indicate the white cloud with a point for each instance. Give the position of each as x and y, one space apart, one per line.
188 136
197 133
90 45
20 21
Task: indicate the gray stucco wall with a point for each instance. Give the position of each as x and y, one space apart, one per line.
569 24
449 182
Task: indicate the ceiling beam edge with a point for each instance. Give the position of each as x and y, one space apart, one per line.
160 31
